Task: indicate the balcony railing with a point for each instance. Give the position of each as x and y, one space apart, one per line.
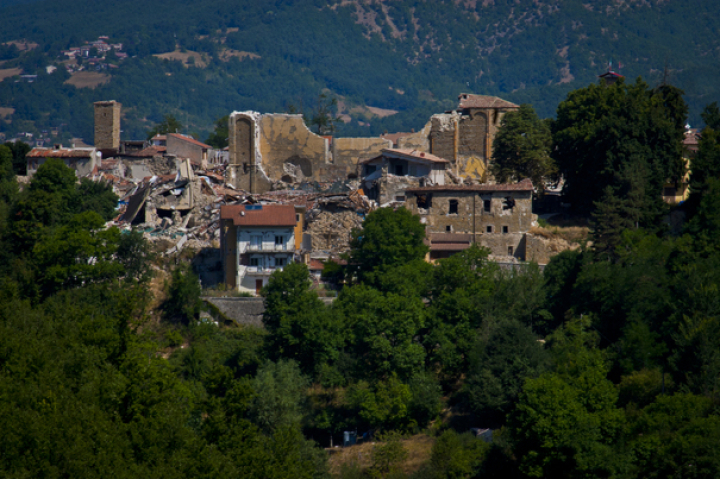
270 248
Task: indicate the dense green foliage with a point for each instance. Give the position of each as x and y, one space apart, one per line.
605 364
522 148
414 57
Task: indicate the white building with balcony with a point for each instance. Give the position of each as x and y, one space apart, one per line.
256 240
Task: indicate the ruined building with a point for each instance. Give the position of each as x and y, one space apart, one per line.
270 148
265 149
497 216
463 136
386 177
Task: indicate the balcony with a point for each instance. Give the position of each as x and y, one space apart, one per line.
267 248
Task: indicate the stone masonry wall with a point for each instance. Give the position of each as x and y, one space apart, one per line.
107 125
346 152
330 231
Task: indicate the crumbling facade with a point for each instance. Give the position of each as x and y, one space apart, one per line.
270 148
82 160
463 136
386 177
107 126
496 216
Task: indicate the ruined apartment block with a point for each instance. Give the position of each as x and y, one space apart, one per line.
495 216
107 126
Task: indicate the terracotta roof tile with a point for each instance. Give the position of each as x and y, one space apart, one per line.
468 100
259 215
524 185
189 140
62 153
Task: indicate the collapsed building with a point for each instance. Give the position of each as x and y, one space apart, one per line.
272 151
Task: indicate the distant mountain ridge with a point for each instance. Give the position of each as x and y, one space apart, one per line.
413 57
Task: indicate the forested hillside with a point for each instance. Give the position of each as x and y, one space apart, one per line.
413 58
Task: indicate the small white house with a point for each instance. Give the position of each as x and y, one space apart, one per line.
256 241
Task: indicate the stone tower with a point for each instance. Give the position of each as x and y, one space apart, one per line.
107 125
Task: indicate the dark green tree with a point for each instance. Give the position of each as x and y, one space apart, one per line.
98 197
219 137
711 116
299 324
388 238
521 148
183 301
169 124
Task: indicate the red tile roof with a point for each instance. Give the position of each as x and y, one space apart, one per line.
267 215
315 265
468 100
524 185
610 74
189 139
62 153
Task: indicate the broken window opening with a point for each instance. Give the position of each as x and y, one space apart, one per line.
424 201
510 250
508 203
488 229
398 170
448 228
487 204
453 210
506 229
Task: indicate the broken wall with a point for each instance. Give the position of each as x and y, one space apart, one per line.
331 230
285 139
346 152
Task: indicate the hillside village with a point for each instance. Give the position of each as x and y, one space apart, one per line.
280 193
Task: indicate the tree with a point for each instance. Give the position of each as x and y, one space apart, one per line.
521 148
323 119
184 299
300 326
219 137
169 124
602 130
19 150
565 423
98 197
388 238
705 167
711 116
502 361
280 395
8 185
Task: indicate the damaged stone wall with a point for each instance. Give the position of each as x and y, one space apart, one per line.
467 215
541 248
346 152
330 229
285 139
392 188
417 141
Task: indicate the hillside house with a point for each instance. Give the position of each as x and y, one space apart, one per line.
184 146
255 241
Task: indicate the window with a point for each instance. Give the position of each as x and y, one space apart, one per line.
279 240
510 250
487 204
370 169
448 228
256 242
297 218
399 170
254 261
399 198
453 210
508 203
506 229
488 229
424 201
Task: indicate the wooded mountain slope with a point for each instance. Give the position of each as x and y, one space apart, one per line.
414 57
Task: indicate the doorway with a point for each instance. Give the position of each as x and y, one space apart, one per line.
258 286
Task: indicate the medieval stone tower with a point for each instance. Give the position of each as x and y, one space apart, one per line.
107 125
